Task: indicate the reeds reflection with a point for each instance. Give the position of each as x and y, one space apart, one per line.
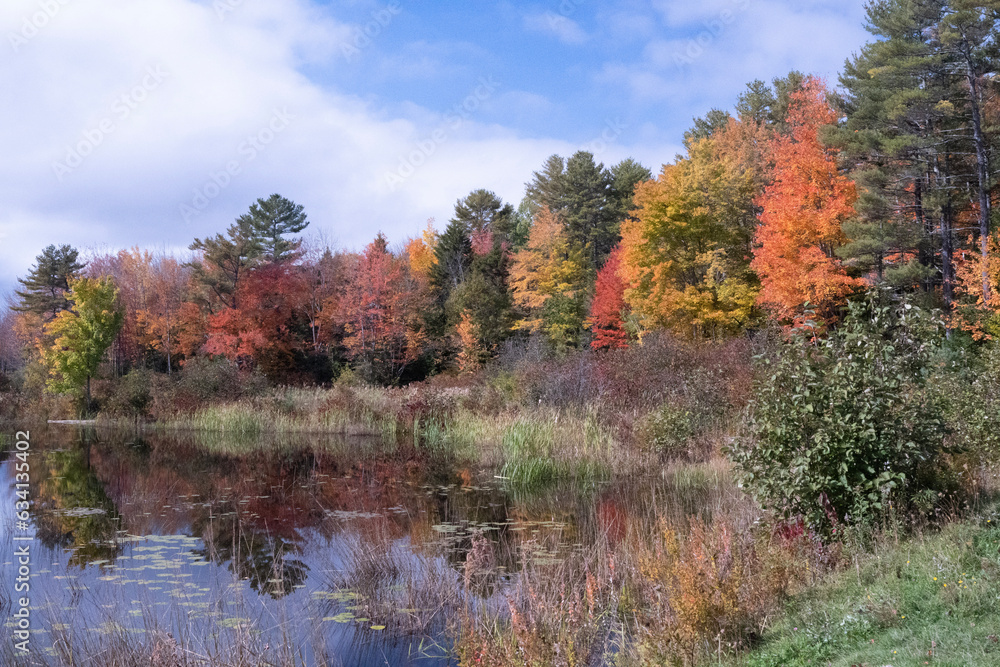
301 552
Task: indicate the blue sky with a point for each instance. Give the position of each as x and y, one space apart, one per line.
152 123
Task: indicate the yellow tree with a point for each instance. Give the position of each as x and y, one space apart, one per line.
979 315
685 250
82 335
550 279
420 252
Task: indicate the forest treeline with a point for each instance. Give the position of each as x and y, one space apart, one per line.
800 199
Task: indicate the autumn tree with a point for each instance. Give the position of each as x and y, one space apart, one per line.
378 312
685 253
608 307
132 272
325 275
978 315
420 252
160 320
550 279
803 212
269 327
82 335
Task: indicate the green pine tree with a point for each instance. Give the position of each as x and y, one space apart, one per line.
269 222
47 284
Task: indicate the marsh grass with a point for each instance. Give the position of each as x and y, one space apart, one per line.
530 446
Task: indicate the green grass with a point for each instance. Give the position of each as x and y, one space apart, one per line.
931 600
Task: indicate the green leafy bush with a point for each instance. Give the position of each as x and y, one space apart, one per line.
969 390
670 430
842 426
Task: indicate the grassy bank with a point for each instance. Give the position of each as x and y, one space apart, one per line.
929 600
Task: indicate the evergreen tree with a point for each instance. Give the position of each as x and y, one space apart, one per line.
269 222
768 105
547 187
625 176
484 305
705 128
469 277
589 214
893 106
224 262
482 211
47 284
915 102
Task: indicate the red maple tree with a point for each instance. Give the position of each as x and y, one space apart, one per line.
608 305
266 328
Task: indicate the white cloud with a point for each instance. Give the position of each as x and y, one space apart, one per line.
134 148
72 75
563 28
720 45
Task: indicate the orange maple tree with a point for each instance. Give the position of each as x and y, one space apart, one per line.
803 209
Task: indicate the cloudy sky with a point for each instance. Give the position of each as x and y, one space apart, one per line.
152 122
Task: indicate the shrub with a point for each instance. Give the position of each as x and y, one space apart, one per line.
132 395
205 379
670 430
969 390
841 427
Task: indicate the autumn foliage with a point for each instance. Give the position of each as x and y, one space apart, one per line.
802 213
608 306
376 312
265 326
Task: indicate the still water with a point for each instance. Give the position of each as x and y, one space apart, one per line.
327 551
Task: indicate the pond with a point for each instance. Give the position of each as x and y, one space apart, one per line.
319 551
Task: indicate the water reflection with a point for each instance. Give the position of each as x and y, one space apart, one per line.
351 549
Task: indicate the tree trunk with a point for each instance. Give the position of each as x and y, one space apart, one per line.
87 408
926 244
982 169
947 258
